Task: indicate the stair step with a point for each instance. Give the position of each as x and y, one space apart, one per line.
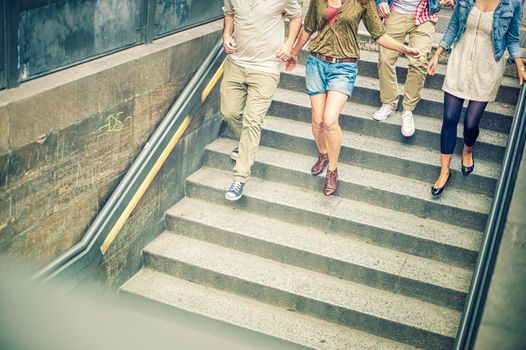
357 117
384 227
396 158
368 66
200 303
497 116
320 251
343 302
386 190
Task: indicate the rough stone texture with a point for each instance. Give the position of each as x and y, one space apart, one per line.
211 309
344 217
504 316
68 138
386 314
385 190
320 251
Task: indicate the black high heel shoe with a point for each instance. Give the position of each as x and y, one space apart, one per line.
466 170
436 191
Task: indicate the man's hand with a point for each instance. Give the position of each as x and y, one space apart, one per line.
229 44
284 53
384 10
412 52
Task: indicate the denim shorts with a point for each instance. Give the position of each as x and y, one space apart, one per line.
321 76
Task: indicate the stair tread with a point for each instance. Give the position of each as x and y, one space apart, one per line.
379 146
251 314
323 243
344 209
363 111
404 186
506 110
294 280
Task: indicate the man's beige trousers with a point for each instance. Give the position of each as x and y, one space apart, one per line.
421 37
246 95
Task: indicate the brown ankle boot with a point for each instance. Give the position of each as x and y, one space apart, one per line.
331 182
320 164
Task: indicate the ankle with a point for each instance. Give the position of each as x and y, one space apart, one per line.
444 173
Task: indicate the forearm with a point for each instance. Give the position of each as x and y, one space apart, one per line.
519 63
294 29
439 51
228 25
302 40
390 43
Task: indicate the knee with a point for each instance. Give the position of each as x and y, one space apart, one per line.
419 66
330 126
229 113
317 124
471 129
450 120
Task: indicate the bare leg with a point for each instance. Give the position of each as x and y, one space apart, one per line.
333 134
445 161
318 106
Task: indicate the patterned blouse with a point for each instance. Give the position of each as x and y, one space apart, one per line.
341 39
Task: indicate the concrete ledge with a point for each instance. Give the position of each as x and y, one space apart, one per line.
60 99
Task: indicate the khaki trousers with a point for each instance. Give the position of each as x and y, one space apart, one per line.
421 37
246 95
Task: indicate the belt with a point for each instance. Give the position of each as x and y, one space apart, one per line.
333 59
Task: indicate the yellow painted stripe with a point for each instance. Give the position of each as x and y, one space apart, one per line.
212 82
144 186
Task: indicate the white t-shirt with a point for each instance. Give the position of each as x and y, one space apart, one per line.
259 31
406 7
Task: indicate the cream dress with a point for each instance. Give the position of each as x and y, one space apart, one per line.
472 72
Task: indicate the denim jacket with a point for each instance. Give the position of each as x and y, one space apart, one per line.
506 26
434 5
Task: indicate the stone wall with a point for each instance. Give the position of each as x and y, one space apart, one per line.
68 138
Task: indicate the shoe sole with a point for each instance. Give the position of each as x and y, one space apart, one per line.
318 173
233 158
233 199
380 119
409 134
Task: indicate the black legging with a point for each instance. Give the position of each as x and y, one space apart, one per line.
452 111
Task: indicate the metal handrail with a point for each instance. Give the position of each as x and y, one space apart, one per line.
485 265
89 251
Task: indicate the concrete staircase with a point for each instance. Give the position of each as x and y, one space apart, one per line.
382 265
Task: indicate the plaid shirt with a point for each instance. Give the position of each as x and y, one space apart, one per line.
422 14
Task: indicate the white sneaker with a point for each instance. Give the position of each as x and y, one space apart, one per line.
383 113
408 124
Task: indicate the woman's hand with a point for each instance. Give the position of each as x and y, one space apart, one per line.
229 44
521 73
432 65
383 9
447 3
291 63
412 52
